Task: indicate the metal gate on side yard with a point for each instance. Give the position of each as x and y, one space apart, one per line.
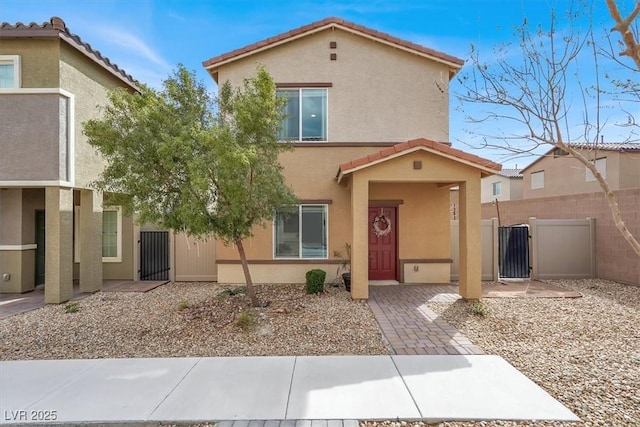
154 255
513 244
559 249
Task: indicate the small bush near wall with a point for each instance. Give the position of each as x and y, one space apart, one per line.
315 281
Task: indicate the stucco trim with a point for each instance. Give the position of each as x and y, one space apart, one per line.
281 261
18 247
384 157
35 90
428 261
315 201
302 85
344 144
63 184
385 203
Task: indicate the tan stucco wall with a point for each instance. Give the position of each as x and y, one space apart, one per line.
11 216
38 59
17 220
379 93
273 273
423 215
510 189
20 265
565 175
630 170
80 76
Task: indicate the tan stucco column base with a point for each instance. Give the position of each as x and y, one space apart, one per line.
58 285
360 239
470 286
90 239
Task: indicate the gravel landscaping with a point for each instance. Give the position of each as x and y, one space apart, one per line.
194 320
584 351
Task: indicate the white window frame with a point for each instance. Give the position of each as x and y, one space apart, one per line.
118 257
601 166
76 227
15 60
273 249
300 89
537 180
498 185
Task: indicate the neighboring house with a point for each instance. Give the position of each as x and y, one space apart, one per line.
558 174
368 114
505 185
53 228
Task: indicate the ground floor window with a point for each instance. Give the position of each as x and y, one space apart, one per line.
111 234
301 232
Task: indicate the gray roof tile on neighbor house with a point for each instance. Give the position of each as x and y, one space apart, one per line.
607 146
511 173
56 27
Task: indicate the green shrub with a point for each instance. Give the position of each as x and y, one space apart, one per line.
246 320
72 307
183 305
479 308
235 291
315 281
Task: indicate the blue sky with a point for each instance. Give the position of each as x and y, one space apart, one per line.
147 38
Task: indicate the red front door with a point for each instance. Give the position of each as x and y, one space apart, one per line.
382 243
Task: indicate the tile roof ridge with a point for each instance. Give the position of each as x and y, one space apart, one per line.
328 21
58 25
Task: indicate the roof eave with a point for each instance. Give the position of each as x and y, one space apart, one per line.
212 66
484 170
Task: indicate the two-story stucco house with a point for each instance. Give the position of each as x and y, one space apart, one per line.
558 174
53 228
368 114
503 186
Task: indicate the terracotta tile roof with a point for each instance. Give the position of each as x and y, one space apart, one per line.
438 147
56 27
331 22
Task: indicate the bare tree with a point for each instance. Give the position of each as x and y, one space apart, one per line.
527 88
625 27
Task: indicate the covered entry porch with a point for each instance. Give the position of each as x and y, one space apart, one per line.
400 220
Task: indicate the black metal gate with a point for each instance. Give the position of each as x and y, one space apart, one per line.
154 255
514 251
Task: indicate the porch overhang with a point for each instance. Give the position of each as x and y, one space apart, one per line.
486 167
420 171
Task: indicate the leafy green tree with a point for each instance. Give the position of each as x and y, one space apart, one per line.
175 162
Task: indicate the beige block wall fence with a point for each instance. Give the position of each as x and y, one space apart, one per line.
615 260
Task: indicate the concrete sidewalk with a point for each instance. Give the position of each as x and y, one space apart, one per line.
430 388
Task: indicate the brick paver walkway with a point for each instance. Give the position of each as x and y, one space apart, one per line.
410 326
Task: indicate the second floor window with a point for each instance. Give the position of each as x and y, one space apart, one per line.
496 188
9 71
537 180
306 115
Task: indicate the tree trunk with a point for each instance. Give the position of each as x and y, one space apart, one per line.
247 275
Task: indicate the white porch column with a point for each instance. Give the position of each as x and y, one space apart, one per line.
470 240
90 239
58 285
360 239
